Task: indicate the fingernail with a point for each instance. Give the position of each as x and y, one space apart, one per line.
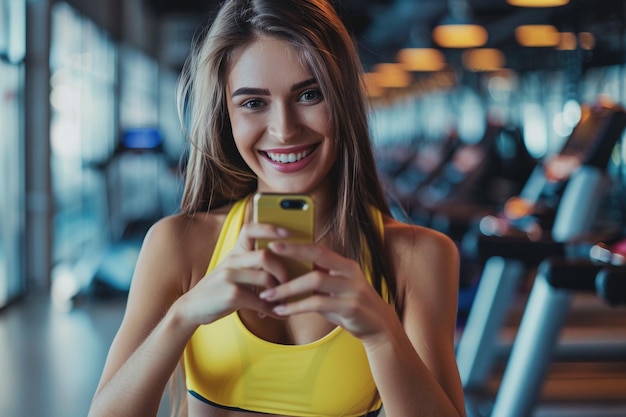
282 232
280 309
276 246
266 294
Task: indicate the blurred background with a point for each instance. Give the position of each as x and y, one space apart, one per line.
497 122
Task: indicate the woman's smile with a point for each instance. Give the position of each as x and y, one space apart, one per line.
290 160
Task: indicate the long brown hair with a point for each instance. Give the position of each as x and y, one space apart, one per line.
216 174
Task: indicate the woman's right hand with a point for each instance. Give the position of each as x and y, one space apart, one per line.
236 282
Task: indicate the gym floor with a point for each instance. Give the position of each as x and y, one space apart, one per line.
50 360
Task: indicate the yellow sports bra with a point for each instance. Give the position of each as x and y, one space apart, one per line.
228 366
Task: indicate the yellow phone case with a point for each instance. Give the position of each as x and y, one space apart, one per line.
294 212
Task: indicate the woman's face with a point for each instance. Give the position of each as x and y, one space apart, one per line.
279 118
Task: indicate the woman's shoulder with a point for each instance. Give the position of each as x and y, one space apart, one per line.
188 228
403 237
420 255
185 240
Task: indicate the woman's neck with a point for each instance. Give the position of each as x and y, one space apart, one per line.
324 207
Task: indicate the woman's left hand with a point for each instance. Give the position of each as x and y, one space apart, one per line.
338 291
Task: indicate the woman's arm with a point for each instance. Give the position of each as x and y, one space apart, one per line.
152 336
414 362
170 297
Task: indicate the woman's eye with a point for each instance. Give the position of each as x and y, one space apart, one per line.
311 95
252 104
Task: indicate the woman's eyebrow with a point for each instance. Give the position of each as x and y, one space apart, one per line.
265 92
303 84
250 91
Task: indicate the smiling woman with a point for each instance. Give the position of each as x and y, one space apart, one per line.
275 105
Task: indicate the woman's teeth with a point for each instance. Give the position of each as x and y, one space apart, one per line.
288 158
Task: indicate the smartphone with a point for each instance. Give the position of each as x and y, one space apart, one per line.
294 212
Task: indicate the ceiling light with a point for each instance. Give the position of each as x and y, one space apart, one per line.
458 30
483 59
587 41
459 35
391 76
538 3
372 85
421 59
567 41
537 35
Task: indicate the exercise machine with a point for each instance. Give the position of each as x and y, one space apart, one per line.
558 203
135 201
557 279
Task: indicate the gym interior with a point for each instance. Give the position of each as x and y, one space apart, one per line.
512 144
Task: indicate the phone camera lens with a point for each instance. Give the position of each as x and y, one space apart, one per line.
292 204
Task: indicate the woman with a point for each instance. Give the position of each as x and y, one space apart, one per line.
275 104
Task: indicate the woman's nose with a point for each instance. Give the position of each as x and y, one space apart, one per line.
284 124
